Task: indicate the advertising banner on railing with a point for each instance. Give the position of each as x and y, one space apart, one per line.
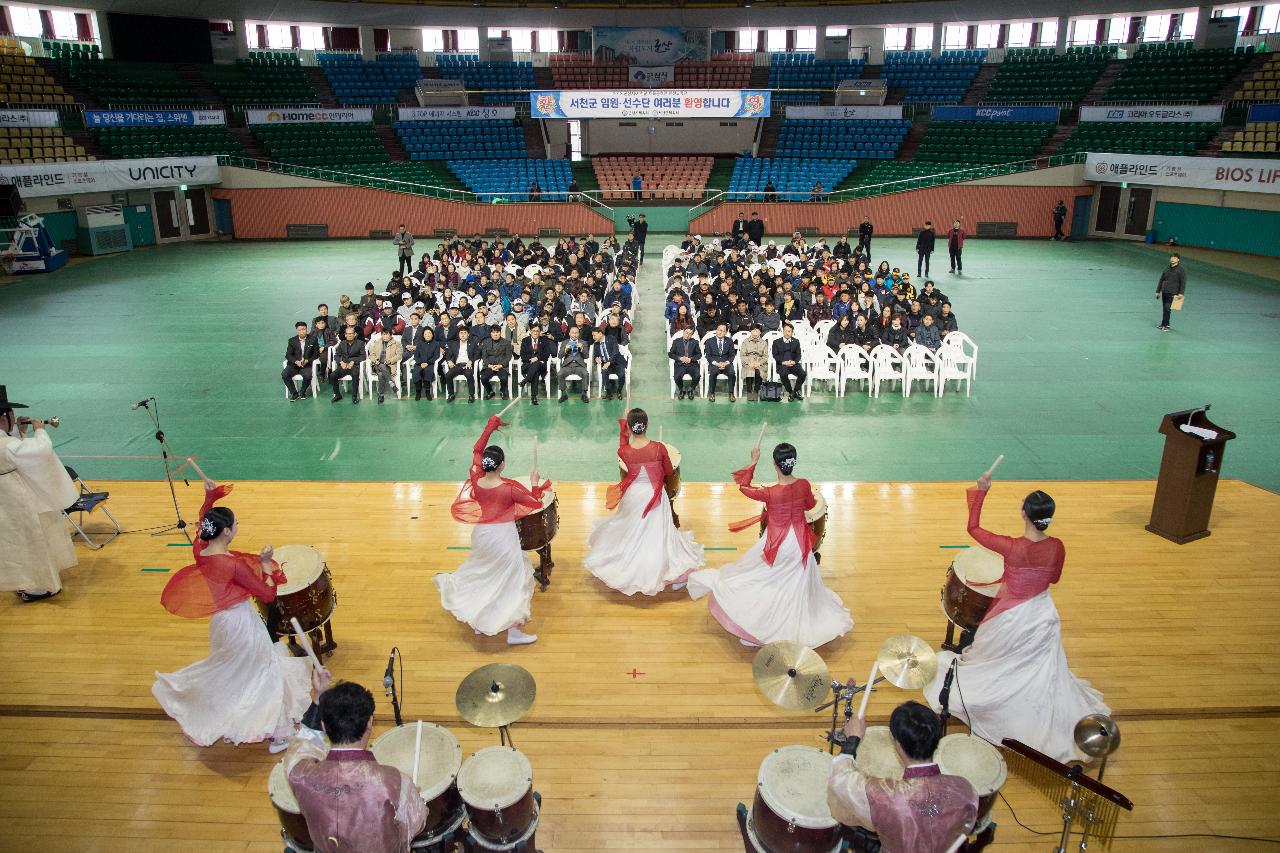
669 103
1264 112
649 45
652 76
984 113
43 179
28 118
456 113
302 115
1209 173
845 112
1210 113
153 118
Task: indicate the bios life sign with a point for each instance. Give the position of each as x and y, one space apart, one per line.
1209 173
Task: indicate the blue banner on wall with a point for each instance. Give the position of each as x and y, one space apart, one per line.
153 118
1264 112
984 113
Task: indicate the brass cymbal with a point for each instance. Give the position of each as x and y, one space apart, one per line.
907 661
791 675
495 695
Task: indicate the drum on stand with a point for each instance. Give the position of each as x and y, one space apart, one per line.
307 595
964 604
670 483
439 760
978 761
816 518
537 529
790 813
496 786
293 826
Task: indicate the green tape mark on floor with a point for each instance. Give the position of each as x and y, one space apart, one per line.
457 547
705 548
153 570
953 546
177 544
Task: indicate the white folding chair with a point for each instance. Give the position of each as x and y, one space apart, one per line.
887 366
950 367
922 366
356 379
962 348
518 374
821 364
285 363
855 366
704 377
371 377
575 376
769 338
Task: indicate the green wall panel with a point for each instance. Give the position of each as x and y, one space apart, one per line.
1227 228
673 219
141 229
61 225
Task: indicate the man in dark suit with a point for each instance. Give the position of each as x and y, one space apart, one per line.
346 362
535 351
611 363
573 362
459 355
323 337
299 354
495 361
684 355
755 229
739 231
786 358
720 352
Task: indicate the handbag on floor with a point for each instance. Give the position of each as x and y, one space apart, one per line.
1176 304
771 392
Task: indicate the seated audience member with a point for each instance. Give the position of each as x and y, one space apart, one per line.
459 359
896 335
720 352
369 301
322 313
346 364
708 320
513 331
947 320
406 309
385 356
299 354
865 334
843 333
741 320
324 338
682 320
387 320
495 361
409 336
616 331
790 309
788 362
768 318
352 322
914 316
754 357
425 358
927 334
818 309
574 357
684 355
345 307
536 352
611 363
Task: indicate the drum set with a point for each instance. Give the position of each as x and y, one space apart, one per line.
483 803
308 596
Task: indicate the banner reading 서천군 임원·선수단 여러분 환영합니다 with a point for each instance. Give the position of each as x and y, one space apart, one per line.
662 103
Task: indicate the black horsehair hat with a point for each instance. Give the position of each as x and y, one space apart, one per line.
5 404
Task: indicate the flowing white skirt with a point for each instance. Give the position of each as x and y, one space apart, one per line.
1013 681
247 690
493 590
785 601
633 552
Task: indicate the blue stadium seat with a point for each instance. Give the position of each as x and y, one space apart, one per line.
355 81
483 140
792 178
511 179
865 139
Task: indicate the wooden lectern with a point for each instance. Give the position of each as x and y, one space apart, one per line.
1188 476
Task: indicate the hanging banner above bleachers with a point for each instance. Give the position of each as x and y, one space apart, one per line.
28 118
649 45
456 113
43 179
667 103
894 111
307 115
984 113
1210 173
1210 113
1264 112
153 118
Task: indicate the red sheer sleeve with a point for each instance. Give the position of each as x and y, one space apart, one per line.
248 577
743 477
1002 545
667 467
622 433
211 497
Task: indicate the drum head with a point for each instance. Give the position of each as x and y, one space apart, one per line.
302 564
439 759
495 778
976 564
547 497
281 793
876 755
974 759
819 509
793 783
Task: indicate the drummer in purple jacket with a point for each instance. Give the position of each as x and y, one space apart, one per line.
924 813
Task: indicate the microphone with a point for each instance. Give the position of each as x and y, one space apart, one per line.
388 678
944 696
141 404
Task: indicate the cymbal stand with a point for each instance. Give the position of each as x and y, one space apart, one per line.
504 736
843 693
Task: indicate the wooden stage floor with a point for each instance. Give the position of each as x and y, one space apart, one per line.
647 730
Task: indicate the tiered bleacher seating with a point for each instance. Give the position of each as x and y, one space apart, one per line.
1041 74
869 139
502 82
1173 71
724 71
22 81
511 179
167 141
418 173
1264 86
976 142
943 80
71 49
114 83
274 79
38 145
1139 137
664 177
355 81
1258 139
321 144
806 74
902 170
461 140
793 178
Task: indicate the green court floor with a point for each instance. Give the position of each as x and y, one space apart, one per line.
1073 375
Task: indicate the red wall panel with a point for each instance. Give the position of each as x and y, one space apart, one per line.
262 214
897 214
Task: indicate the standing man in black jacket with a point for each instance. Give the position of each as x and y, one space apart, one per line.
641 231
755 228
299 354
787 359
865 230
1059 217
739 227
1173 282
924 248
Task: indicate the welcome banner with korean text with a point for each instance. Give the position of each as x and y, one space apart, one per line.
44 179
303 115
845 112
649 45
1209 113
28 118
668 103
153 118
652 76
995 114
1208 173
455 113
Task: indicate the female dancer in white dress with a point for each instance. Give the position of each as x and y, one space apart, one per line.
250 688
775 592
638 548
493 590
1013 681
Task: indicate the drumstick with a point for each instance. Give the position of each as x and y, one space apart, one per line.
992 469
417 752
514 400
866 691
305 642
533 475
760 437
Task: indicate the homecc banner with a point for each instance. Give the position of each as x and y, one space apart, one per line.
455 113
652 76
669 103
1211 113
153 118
28 118
649 45
1264 112
43 179
303 115
853 112
1209 173
985 113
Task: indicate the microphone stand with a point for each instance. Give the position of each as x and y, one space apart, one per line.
180 523
944 696
389 684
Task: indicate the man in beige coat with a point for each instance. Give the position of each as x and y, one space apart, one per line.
385 355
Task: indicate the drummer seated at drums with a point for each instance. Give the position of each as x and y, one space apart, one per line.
927 812
349 800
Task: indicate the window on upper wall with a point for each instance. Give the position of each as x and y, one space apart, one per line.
468 40
1269 22
26 22
1156 28
251 36
1117 29
1048 33
1186 28
1019 35
807 38
988 36
64 25
924 37
279 37
433 40
1084 31
521 39
747 40
776 41
1241 12
548 40
955 37
895 38
311 38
